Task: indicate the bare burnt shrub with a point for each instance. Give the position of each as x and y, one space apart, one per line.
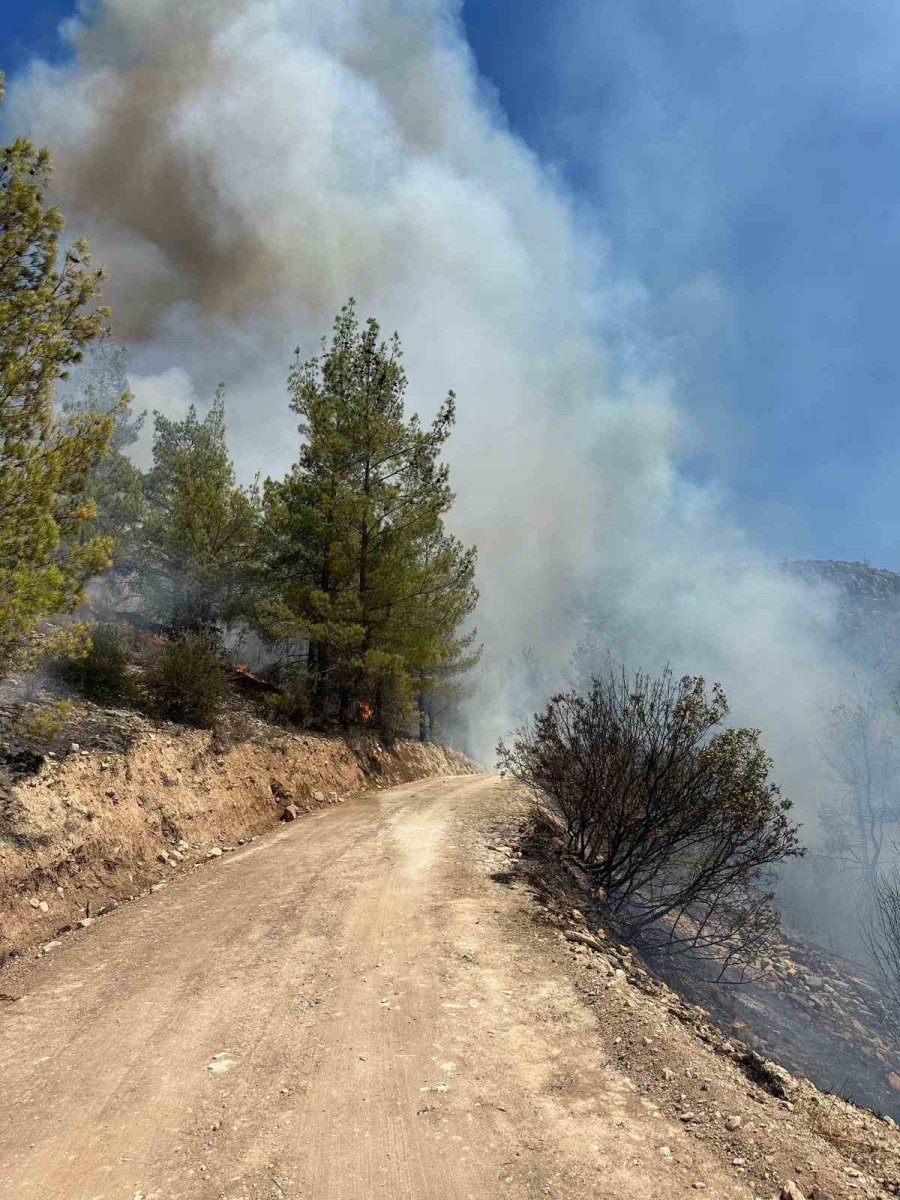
671 814
881 933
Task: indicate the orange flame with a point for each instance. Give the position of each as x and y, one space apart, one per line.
243 670
258 681
366 711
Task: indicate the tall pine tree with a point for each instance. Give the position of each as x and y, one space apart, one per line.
367 574
47 317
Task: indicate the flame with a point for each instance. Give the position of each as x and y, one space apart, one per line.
257 680
366 711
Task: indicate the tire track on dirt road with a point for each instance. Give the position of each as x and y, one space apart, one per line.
350 1009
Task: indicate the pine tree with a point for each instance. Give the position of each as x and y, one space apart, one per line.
198 544
100 386
438 598
47 317
308 558
368 575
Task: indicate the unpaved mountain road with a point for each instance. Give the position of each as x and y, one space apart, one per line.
349 1009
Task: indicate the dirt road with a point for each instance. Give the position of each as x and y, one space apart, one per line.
352 1008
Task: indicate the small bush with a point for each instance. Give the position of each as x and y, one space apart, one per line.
187 680
290 705
42 727
102 673
673 817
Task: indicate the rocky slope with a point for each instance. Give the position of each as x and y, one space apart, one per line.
819 1014
124 803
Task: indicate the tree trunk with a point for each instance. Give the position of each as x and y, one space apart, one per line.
319 650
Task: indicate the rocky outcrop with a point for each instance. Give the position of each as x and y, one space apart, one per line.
857 581
868 607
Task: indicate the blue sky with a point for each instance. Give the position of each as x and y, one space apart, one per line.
743 163
29 27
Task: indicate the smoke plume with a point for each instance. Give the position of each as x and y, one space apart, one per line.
243 166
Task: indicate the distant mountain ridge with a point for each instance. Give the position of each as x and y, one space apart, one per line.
868 608
857 579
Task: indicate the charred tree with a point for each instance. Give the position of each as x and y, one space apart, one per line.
672 815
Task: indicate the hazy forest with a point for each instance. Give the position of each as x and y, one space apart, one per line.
341 578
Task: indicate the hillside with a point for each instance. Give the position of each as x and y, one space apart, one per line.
859 581
710 1072
868 606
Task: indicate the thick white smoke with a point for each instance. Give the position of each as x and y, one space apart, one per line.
243 166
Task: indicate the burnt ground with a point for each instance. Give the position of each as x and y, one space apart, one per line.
819 1014
813 1010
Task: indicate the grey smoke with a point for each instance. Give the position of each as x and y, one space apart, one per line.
242 166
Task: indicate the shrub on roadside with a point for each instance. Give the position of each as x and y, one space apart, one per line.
236 729
102 673
187 680
672 815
